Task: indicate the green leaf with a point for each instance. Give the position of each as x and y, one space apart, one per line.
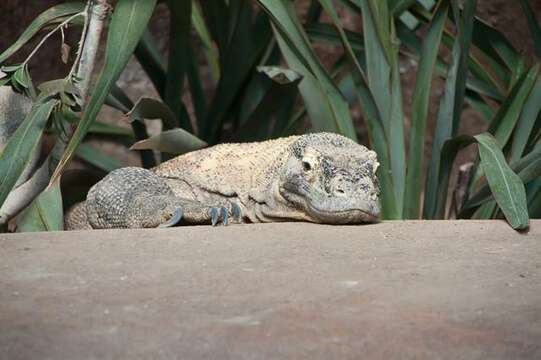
147 108
528 117
494 44
51 15
506 186
103 128
45 213
450 107
329 34
127 25
419 111
535 30
326 107
94 156
22 145
528 169
176 141
505 122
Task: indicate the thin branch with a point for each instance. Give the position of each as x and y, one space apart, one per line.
81 42
99 10
40 44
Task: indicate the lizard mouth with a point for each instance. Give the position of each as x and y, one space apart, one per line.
350 216
333 213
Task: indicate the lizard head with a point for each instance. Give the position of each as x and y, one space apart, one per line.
331 179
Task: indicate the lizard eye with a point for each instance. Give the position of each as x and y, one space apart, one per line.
306 166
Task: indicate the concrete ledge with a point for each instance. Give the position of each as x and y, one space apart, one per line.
440 289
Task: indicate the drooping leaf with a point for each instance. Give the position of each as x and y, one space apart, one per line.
506 186
147 108
128 24
22 145
528 169
176 142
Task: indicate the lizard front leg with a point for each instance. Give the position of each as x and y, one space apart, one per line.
137 198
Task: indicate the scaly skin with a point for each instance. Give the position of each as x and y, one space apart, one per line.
322 178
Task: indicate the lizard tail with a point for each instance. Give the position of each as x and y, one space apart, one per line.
75 218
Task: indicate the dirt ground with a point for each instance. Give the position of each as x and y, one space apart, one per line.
394 290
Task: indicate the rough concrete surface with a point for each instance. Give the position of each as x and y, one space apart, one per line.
408 290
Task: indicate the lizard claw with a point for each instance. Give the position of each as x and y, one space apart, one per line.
218 214
213 212
224 215
177 215
235 211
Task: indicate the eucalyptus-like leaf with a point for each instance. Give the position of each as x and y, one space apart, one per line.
176 142
148 108
505 185
22 145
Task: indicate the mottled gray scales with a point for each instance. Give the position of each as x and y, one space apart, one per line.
322 178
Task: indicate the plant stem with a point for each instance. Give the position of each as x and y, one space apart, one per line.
40 44
81 42
99 9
